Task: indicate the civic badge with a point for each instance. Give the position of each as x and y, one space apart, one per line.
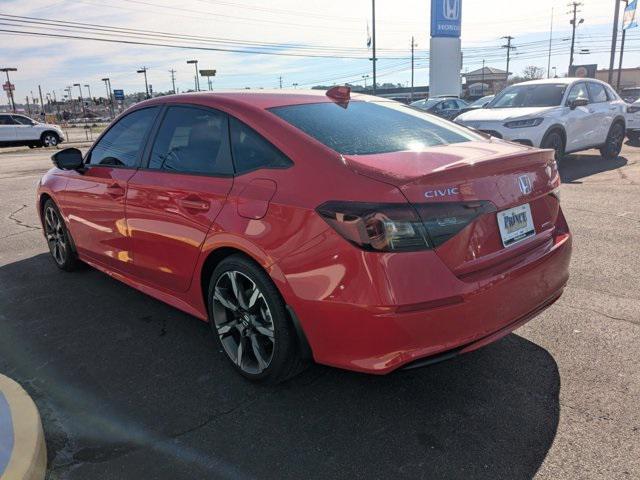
524 182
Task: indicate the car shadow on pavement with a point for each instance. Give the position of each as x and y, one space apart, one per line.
131 388
575 167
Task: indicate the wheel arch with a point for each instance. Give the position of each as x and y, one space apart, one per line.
620 119
556 127
216 255
50 131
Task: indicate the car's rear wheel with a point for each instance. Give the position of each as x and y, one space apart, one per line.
613 145
58 238
554 141
250 320
49 139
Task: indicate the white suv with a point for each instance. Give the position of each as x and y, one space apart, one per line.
17 129
564 114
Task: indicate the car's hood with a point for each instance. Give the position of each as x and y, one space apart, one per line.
502 114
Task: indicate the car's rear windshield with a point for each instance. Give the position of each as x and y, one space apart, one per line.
541 95
365 128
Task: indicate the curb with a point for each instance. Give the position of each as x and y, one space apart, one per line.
23 453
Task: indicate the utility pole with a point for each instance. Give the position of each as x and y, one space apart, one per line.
573 23
28 106
550 42
373 19
173 79
624 34
509 47
482 83
197 80
280 78
12 100
146 84
614 38
413 45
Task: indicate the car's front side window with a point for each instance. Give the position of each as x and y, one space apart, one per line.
578 92
192 140
124 142
252 151
23 120
597 93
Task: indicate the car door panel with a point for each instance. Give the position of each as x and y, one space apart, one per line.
577 120
601 116
169 216
95 207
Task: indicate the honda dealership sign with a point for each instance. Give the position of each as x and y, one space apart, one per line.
446 17
445 53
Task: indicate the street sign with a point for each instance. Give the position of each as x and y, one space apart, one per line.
207 73
118 95
446 16
8 87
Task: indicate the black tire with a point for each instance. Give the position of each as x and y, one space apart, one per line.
555 141
261 330
59 240
613 144
49 139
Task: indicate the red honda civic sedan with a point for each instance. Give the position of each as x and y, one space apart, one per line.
354 231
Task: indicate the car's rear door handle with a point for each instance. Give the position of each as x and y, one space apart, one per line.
115 190
194 204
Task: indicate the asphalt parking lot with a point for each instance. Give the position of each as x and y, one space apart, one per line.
130 388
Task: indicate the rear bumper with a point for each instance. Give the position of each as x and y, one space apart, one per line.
375 313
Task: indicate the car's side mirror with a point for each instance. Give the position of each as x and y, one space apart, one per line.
578 102
68 159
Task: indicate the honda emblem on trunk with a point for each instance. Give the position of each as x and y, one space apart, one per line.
524 182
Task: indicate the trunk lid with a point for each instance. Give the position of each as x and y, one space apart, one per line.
505 174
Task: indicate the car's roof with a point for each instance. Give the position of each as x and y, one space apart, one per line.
560 80
261 99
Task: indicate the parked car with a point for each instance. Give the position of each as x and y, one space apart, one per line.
18 129
633 121
445 107
565 114
354 231
479 103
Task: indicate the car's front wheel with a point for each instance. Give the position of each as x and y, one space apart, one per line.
250 320
49 139
58 238
555 142
613 145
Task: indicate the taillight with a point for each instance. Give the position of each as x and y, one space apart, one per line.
392 227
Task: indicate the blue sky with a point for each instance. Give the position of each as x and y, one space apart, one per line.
56 63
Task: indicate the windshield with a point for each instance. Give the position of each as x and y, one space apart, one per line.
537 95
481 101
426 104
364 128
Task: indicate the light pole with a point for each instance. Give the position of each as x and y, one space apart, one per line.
107 84
81 100
624 34
10 92
614 39
413 45
373 42
364 77
89 90
146 84
295 85
197 80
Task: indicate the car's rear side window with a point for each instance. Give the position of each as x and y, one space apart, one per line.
364 128
252 151
6 120
192 140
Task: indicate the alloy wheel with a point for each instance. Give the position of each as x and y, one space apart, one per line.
50 140
615 140
56 238
243 322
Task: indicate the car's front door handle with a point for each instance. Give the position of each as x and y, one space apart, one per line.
194 204
115 190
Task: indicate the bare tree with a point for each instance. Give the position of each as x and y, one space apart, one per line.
533 73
